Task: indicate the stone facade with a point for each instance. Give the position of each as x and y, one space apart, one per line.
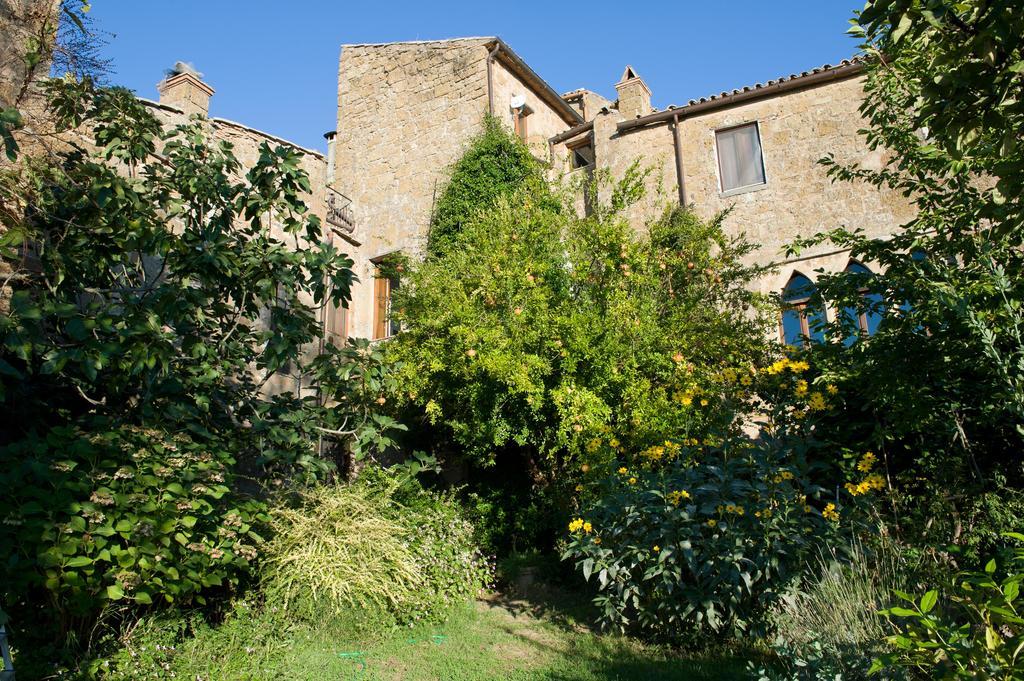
797 126
406 112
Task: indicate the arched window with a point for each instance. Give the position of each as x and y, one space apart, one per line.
802 320
866 316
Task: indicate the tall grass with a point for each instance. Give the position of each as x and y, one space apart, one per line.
832 625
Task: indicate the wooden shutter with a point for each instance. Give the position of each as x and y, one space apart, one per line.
337 324
380 308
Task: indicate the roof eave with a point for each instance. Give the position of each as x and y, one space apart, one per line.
798 83
546 92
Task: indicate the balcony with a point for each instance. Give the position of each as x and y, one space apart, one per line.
339 213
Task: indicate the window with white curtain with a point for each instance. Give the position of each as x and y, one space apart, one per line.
739 157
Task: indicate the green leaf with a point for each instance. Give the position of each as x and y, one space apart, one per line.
143 597
79 561
928 601
901 612
115 592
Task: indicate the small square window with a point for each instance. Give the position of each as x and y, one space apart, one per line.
739 157
582 156
520 125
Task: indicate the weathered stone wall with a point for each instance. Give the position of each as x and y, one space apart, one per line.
797 129
797 199
653 148
587 103
541 125
405 114
21 23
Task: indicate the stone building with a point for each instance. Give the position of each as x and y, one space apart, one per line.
407 110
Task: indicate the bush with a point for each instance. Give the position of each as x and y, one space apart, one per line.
977 631
371 547
706 543
115 515
544 330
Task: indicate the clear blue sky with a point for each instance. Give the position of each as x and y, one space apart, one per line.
274 63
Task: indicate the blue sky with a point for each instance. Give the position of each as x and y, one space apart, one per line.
274 63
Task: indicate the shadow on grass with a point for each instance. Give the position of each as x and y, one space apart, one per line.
583 653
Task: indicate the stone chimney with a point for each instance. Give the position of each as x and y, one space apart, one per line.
634 95
184 89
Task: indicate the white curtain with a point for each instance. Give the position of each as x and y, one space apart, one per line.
739 157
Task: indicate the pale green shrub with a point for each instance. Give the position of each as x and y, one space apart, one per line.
373 549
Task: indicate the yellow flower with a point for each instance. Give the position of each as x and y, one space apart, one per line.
866 462
587 527
579 488
597 540
739 510
798 367
653 453
687 400
830 513
729 375
746 380
576 525
712 522
656 548
632 481
614 443
799 414
703 403
831 389
585 468
622 471
817 402
875 481
777 479
677 496
786 475
801 387
807 508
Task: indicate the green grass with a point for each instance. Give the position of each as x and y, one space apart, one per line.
494 639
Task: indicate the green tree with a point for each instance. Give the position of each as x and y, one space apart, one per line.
562 340
495 164
156 290
937 390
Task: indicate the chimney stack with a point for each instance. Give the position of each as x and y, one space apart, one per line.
184 89
634 95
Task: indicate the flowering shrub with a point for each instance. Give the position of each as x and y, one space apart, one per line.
127 515
707 540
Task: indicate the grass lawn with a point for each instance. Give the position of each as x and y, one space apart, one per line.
495 638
